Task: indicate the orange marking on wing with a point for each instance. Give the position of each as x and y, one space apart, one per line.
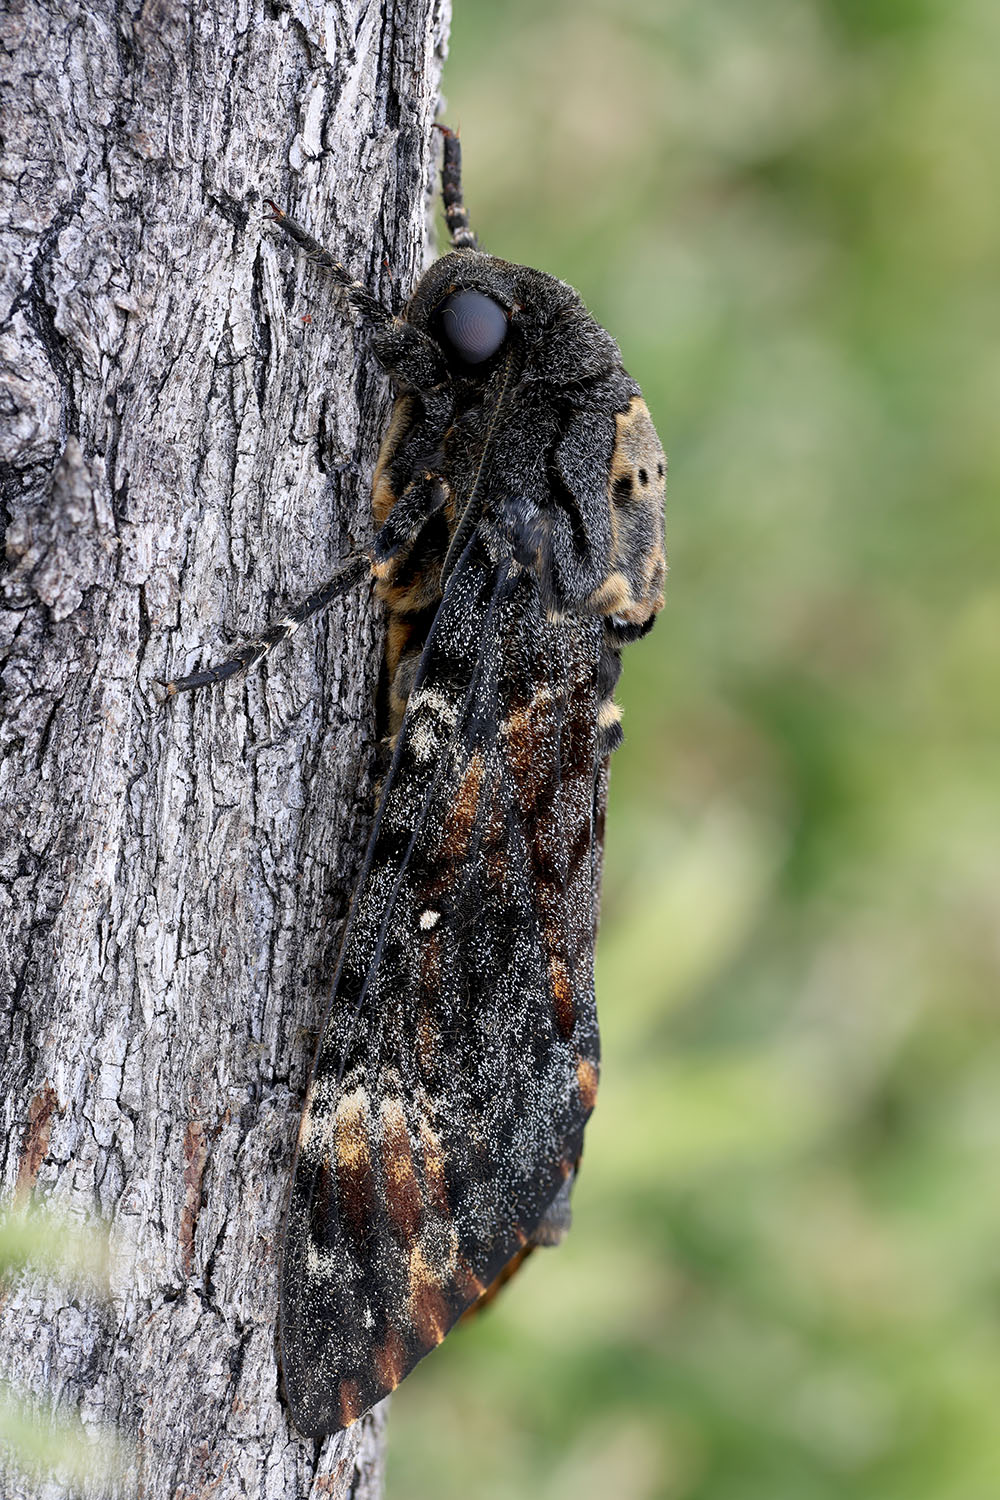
586 1082
427 1307
517 731
355 1181
467 1283
402 1193
434 1168
529 742
390 1360
562 995
350 1402
461 814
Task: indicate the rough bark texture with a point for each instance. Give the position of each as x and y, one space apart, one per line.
187 430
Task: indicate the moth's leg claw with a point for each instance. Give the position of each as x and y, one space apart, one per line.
420 499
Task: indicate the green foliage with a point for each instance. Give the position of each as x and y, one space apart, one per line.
781 1285
51 1244
34 1442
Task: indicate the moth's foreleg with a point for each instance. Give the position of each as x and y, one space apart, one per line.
369 307
455 214
420 499
254 652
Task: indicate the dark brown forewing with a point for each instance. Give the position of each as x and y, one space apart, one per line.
459 1061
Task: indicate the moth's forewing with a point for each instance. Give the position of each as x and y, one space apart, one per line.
459 1062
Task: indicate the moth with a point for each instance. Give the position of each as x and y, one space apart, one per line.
518 498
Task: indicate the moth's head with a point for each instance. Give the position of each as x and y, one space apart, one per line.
477 307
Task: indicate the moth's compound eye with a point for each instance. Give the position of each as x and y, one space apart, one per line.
474 325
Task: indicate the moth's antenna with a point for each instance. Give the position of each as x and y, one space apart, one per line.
361 299
455 215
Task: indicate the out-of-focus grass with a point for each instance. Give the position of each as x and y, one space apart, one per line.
36 1442
782 1281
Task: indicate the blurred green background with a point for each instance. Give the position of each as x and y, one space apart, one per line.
783 1282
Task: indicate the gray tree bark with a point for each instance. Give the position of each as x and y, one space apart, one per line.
187 432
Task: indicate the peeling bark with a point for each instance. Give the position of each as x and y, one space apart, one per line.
187 432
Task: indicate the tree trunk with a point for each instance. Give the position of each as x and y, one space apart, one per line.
187 435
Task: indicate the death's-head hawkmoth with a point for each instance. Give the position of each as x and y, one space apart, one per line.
518 497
